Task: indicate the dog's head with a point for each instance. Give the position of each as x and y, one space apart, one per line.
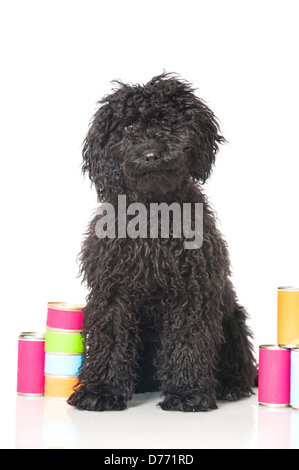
150 139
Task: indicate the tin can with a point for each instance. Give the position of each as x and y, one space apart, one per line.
66 316
288 316
62 364
295 378
58 386
64 341
31 360
274 375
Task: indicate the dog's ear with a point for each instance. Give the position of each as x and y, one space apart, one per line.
102 168
206 135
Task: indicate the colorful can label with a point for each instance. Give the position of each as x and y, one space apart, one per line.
62 315
31 360
288 316
62 364
274 375
64 341
59 387
295 378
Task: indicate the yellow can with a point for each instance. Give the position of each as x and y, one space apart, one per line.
288 316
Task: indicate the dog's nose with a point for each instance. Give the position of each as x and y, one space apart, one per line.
151 156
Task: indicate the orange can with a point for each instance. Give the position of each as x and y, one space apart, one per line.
288 316
59 386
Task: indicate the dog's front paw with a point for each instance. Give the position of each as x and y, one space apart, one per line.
86 400
190 402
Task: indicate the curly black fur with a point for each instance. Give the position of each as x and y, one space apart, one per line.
158 316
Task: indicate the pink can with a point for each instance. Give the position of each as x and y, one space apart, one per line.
274 375
62 315
31 361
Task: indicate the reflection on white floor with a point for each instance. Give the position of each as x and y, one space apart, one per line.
45 423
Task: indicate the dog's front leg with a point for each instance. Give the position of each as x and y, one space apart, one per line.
107 378
186 361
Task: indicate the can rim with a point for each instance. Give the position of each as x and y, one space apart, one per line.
56 376
288 288
30 395
276 347
274 405
32 336
63 331
53 353
66 306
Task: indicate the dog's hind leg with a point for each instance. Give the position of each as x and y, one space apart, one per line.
236 371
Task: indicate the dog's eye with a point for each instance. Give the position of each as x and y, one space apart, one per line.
129 128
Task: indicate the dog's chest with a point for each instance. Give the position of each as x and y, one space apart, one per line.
156 261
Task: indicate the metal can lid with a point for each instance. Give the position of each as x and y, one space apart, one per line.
277 347
288 288
32 336
65 306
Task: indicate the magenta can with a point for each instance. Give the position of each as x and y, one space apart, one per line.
274 375
31 361
62 315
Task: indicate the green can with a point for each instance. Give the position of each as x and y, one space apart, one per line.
64 341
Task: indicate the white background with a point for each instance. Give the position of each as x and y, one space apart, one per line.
57 60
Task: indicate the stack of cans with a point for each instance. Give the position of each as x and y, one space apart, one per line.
278 383
63 348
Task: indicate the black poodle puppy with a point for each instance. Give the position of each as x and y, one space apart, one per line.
159 315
